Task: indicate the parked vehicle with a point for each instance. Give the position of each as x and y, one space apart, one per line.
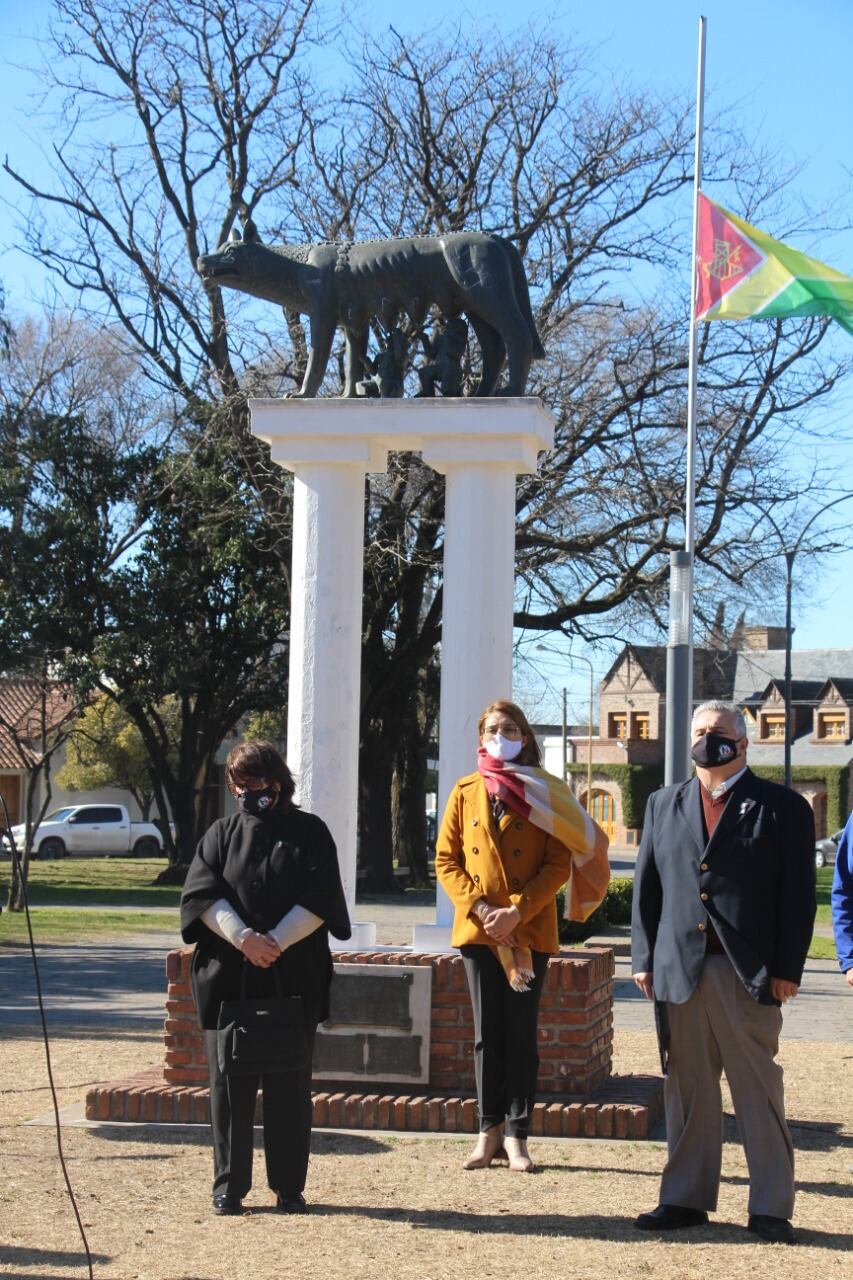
90 829
825 850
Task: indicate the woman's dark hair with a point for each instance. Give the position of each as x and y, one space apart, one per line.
258 762
529 753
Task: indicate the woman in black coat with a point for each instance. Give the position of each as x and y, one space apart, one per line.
261 896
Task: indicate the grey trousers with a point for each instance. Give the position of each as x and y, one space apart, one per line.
721 1028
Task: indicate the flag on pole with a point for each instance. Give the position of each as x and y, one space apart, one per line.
742 272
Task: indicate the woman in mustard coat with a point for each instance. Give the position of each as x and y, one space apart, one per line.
511 835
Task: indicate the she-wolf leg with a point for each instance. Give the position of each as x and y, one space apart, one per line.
493 351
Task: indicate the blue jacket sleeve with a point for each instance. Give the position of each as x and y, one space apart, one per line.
842 899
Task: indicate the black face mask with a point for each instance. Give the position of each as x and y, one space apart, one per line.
257 803
713 750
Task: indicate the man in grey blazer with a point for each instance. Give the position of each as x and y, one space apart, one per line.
724 907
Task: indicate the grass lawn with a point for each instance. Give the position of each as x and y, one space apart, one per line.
125 882
57 924
824 884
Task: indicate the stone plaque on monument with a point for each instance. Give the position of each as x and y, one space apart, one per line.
378 1027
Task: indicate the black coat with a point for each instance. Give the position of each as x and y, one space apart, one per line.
754 879
263 867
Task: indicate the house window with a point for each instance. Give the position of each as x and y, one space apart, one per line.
618 724
774 727
641 725
832 724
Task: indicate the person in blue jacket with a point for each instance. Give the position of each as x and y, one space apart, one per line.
842 901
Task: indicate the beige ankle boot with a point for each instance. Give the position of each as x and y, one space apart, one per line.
518 1155
490 1146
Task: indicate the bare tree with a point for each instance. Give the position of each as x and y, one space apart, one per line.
220 118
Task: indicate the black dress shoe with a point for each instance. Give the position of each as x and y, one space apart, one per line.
291 1202
227 1206
669 1217
774 1230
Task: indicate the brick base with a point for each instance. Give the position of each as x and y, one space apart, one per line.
580 1098
623 1107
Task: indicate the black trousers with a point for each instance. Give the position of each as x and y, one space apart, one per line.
506 1055
287 1125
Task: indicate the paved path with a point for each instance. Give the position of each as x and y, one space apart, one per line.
96 985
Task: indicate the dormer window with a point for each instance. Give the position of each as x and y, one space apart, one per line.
832 726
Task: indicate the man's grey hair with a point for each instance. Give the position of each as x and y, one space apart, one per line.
731 707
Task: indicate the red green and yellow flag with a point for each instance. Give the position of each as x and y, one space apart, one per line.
743 272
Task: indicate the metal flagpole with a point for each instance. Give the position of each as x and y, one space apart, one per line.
679 653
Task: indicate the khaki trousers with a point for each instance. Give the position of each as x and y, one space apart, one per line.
721 1028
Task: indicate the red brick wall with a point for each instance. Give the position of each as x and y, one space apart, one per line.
575 1022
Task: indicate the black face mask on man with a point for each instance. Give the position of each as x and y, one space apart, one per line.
257 803
713 750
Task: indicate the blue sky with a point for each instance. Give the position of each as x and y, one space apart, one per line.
784 67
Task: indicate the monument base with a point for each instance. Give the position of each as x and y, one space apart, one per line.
408 1047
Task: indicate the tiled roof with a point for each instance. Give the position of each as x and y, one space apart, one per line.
21 719
713 670
757 667
804 691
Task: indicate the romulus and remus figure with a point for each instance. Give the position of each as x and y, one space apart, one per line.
347 283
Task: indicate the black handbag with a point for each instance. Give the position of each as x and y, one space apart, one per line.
261 1037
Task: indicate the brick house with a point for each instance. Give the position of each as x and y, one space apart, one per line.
628 746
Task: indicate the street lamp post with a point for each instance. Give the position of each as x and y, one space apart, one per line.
577 657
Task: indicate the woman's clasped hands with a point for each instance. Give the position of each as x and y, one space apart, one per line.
499 923
260 949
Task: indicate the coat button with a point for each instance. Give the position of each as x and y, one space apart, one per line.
515 880
475 822
704 897
516 853
703 866
256 884
475 849
519 826
702 927
476 879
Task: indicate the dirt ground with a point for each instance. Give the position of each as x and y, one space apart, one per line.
396 1207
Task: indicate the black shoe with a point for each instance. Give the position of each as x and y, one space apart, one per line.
227 1206
670 1217
774 1230
291 1202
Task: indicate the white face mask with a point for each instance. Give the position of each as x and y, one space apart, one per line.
501 748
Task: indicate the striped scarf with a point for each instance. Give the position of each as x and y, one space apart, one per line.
548 803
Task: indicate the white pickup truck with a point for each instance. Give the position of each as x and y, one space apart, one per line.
91 829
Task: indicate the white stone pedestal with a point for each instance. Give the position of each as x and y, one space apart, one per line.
330 445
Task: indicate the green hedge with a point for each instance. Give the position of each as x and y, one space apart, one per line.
615 909
636 782
835 778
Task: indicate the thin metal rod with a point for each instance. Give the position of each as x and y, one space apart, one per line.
589 746
789 636
679 683
690 495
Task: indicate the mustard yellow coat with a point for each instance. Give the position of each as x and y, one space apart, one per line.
512 863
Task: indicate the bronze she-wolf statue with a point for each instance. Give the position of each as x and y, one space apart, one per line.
349 283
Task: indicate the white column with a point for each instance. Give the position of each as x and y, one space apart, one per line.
476 628
477 600
325 622
325 649
330 445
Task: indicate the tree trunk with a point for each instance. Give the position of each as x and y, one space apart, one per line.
376 846
408 807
